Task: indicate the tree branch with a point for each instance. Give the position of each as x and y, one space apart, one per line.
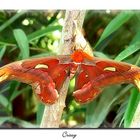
52 113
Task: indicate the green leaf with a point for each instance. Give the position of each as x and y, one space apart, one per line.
7 43
3 119
5 89
17 121
39 33
14 92
11 20
22 123
128 51
115 24
131 107
97 112
2 51
120 113
136 38
89 113
40 110
22 41
14 85
17 93
106 41
43 55
4 101
100 54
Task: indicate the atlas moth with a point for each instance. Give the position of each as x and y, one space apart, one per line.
46 75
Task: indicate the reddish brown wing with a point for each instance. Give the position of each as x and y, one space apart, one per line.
94 75
46 75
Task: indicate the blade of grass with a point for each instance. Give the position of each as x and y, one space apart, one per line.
136 38
4 90
17 121
131 107
100 54
11 20
108 98
3 101
106 41
7 44
89 113
22 123
22 41
2 51
3 119
138 60
115 24
128 51
43 55
17 93
14 85
95 116
40 110
39 33
120 113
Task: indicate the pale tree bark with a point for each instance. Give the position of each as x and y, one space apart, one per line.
53 113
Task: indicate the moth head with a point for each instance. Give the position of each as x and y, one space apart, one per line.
79 56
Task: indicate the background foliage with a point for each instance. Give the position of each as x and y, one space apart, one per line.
28 34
